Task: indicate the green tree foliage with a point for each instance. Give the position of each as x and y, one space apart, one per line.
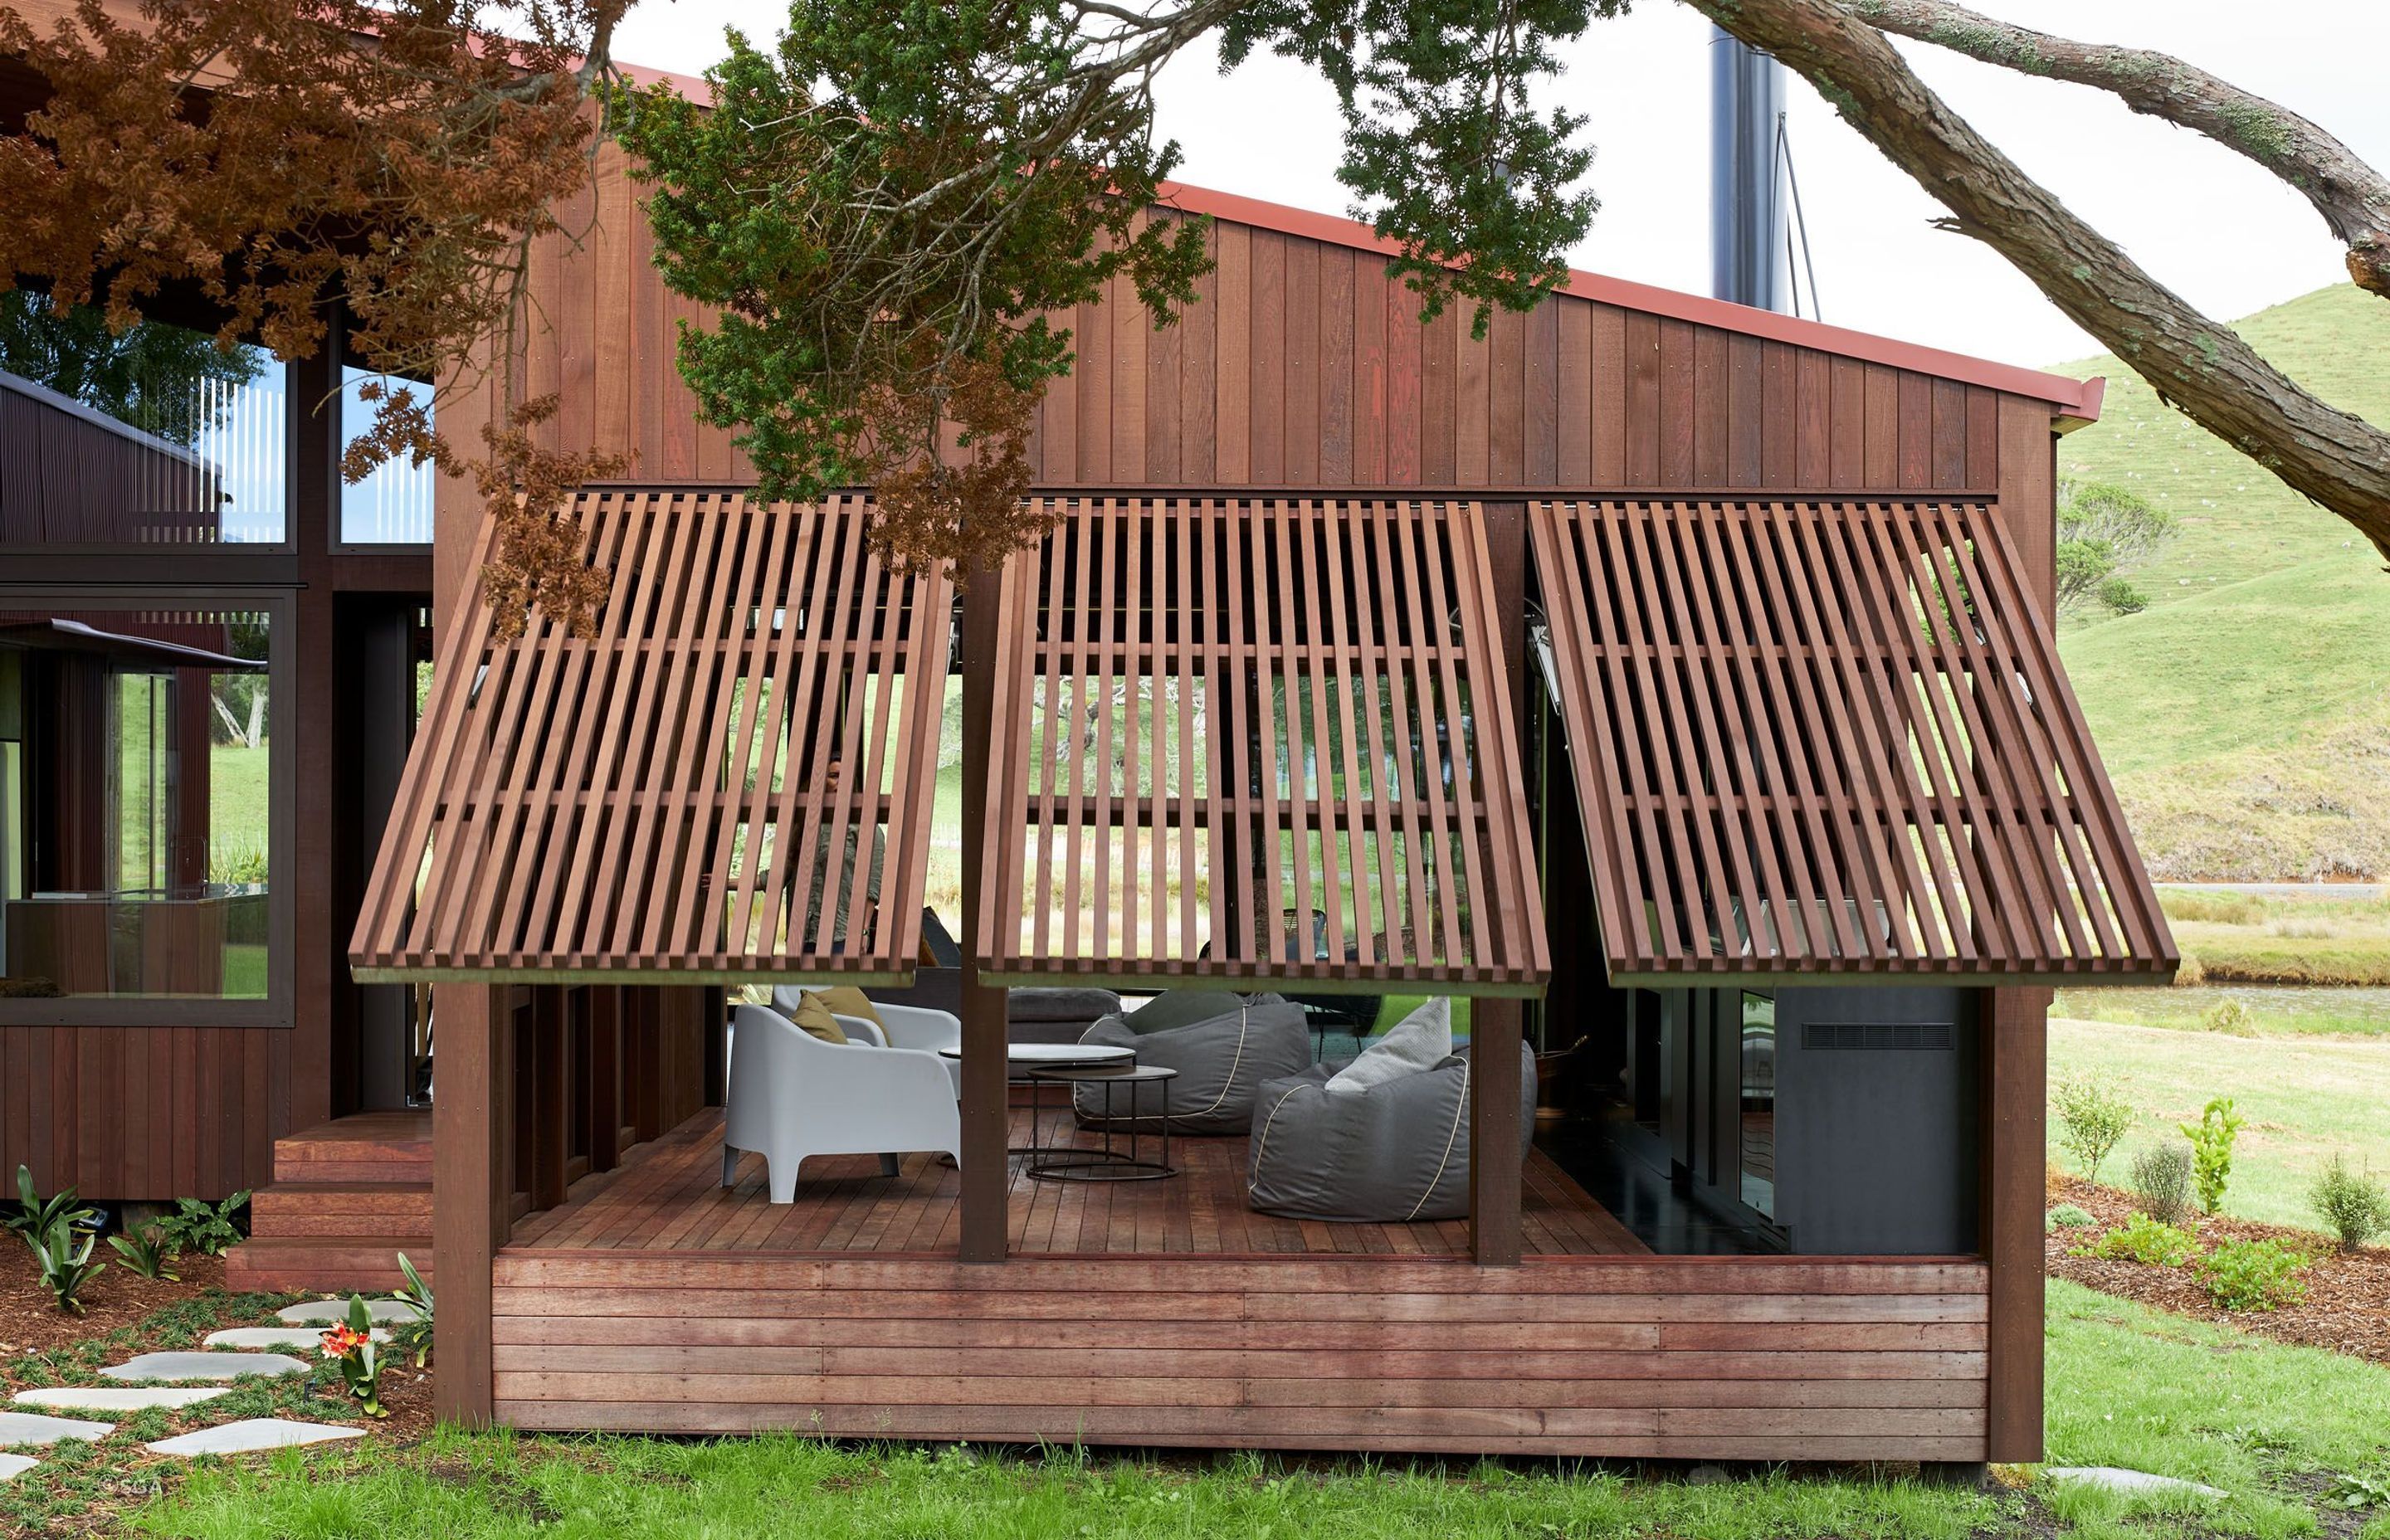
2093 1118
888 207
2105 531
148 376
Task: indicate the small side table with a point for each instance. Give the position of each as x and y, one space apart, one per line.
1070 1164
1024 1061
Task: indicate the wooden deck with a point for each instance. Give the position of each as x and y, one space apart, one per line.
665 1197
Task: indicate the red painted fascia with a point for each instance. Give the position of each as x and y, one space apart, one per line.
2078 400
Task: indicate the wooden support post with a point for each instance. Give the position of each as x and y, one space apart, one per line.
984 1113
2015 1075
1494 1025
469 1198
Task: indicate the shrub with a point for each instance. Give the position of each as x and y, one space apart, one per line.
144 1255
2253 1275
2353 1205
2229 1016
2068 1217
199 1226
2211 1151
2162 1181
2094 1120
2122 598
2145 1240
63 1255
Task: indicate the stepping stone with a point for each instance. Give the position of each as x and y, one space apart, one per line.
308 1338
2112 1478
20 1430
203 1366
13 1466
94 1398
257 1432
334 1311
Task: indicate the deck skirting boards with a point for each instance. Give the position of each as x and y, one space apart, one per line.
1712 1358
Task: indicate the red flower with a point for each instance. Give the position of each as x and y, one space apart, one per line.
341 1340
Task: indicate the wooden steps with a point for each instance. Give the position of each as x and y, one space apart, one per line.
347 1197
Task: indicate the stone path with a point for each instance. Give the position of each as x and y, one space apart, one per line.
24 1430
252 1433
224 1361
308 1338
203 1366
334 1311
130 1398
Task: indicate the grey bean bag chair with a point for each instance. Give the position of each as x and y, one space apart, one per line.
1222 1046
1055 1015
1392 1152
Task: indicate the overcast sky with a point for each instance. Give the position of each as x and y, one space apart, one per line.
2222 233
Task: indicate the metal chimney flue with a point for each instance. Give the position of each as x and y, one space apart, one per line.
1747 206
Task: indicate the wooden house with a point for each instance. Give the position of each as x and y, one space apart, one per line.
1672 683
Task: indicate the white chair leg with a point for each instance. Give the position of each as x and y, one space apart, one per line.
729 1165
780 1174
887 1165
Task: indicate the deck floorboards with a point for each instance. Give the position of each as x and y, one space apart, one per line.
666 1197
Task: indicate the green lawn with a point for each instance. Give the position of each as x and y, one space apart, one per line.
2244 712
2271 1010
2303 1098
2271 1425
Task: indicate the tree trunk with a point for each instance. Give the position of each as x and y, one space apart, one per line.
2196 365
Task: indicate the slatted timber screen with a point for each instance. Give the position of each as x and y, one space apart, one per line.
700 790
1251 739
1832 738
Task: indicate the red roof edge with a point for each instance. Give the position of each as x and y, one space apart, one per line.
2076 401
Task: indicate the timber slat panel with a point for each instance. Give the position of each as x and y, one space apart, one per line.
1829 736
1282 704
655 801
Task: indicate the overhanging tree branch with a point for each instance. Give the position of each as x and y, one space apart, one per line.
2352 197
2196 365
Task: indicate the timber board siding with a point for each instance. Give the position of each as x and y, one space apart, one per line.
143 1113
1710 1359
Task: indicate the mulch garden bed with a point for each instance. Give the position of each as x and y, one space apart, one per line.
86 1490
2347 1304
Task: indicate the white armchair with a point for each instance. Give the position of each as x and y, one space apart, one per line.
791 1094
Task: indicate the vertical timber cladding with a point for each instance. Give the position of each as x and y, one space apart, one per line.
1717 1359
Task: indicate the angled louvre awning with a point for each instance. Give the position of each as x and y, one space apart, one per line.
657 800
1832 738
1250 739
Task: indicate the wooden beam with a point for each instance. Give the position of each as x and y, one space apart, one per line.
1493 1027
984 1113
469 1197
2015 1078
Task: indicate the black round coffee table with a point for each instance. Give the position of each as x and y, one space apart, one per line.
1070 1164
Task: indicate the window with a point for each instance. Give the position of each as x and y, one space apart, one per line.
136 797
393 506
154 436
1759 1103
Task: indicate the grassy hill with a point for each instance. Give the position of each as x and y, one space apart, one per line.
2245 715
